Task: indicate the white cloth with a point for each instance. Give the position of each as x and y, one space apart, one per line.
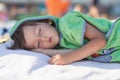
27 65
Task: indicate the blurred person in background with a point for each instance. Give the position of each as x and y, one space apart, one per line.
79 8
22 11
94 11
13 12
3 13
97 10
95 2
3 20
57 7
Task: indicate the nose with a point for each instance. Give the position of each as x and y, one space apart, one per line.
42 38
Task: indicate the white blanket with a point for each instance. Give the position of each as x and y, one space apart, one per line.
27 65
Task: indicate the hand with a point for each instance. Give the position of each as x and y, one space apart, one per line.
61 59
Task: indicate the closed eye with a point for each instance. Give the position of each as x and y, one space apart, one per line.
38 44
39 31
39 36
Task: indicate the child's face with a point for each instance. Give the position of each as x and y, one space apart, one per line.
40 36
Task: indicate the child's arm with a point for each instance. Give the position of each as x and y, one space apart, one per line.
52 52
97 41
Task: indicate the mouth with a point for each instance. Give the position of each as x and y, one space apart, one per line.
50 39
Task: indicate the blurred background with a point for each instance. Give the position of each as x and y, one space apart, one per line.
13 10
18 9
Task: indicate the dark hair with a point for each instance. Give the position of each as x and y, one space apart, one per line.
18 36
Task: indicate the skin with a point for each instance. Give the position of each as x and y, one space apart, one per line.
62 57
40 36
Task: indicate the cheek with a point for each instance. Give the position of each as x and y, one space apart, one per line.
46 45
29 39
